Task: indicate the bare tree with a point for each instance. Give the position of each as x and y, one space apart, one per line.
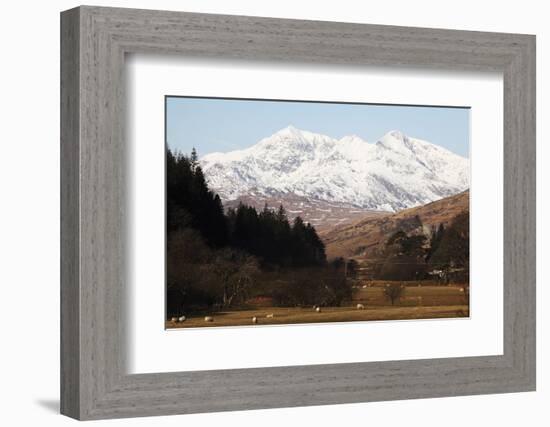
236 272
393 292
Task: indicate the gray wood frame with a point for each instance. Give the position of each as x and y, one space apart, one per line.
94 41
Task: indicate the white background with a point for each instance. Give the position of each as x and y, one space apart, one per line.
29 215
152 349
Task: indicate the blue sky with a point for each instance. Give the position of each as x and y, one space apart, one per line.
211 124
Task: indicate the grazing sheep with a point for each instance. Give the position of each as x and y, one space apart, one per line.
314 307
181 319
270 316
254 319
208 319
365 286
318 309
360 307
174 319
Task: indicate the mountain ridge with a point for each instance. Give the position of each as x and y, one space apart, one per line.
394 173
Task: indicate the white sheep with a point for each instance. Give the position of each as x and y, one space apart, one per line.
270 316
174 319
360 307
254 319
181 319
318 309
208 319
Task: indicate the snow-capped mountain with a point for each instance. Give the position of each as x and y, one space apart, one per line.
394 173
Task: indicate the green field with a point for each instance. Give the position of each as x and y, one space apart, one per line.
417 302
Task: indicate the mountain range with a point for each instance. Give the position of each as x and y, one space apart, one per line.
306 170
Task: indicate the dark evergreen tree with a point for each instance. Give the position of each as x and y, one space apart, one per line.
189 201
404 257
281 215
453 250
246 229
307 248
437 236
194 159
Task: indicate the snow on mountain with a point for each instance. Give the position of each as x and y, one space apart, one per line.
394 173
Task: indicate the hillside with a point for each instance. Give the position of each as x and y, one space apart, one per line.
365 238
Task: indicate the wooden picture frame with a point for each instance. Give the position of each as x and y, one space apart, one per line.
94 41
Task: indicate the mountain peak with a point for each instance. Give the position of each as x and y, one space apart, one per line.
351 138
397 134
395 140
394 136
290 130
298 140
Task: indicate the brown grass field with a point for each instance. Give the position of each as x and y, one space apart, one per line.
416 302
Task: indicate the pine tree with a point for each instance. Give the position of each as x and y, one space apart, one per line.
435 241
453 248
194 159
189 201
281 214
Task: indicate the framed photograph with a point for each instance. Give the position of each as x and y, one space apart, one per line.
262 213
301 227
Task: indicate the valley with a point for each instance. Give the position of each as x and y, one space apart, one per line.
304 228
